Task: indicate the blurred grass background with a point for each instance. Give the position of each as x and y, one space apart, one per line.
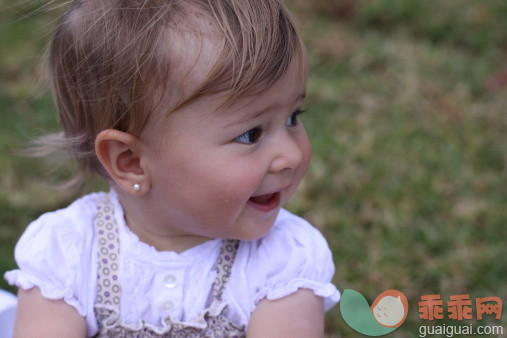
408 120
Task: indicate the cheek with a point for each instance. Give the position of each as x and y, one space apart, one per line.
224 182
306 150
240 179
220 198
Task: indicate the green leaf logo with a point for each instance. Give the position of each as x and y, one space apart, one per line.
388 312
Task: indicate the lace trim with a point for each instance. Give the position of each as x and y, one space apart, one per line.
110 318
327 291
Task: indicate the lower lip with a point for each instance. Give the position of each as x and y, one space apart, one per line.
272 203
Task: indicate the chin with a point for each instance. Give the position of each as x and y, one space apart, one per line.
253 235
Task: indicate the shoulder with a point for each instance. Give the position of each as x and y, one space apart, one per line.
54 252
73 217
293 255
74 214
68 226
297 227
291 235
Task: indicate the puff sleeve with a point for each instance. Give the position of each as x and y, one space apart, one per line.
294 255
54 255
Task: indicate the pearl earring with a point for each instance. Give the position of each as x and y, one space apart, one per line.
136 187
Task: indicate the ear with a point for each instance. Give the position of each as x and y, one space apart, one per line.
120 157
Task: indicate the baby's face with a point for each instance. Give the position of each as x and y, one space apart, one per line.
227 173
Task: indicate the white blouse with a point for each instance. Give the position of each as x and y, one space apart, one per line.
57 253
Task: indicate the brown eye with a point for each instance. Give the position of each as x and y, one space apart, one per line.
250 137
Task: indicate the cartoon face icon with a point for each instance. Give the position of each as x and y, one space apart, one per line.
390 308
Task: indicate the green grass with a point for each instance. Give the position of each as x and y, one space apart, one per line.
408 180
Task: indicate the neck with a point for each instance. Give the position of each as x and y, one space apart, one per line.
164 242
143 221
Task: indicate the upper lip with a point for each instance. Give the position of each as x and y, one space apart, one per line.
271 192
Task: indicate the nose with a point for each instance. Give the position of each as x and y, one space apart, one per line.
288 152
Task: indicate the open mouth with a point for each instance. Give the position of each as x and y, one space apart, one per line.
266 202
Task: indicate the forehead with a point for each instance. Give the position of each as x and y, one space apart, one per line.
285 94
292 84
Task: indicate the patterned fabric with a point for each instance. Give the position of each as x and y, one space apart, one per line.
212 322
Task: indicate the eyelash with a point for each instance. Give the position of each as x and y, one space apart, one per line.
294 117
253 135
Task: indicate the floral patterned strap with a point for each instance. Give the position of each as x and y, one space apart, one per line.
108 285
224 265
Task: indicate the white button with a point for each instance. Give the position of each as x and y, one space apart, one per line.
170 281
166 306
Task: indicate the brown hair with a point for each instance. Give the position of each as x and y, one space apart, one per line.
107 60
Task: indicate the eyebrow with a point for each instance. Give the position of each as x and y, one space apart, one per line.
260 113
